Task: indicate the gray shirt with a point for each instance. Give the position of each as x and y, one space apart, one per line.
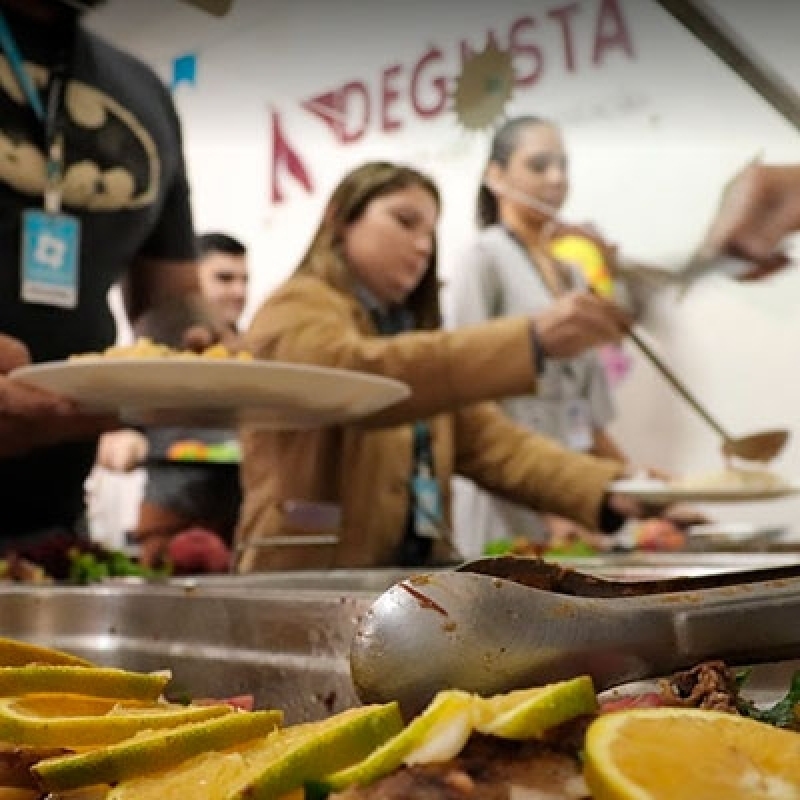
495 278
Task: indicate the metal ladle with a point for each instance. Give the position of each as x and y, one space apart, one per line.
761 447
487 634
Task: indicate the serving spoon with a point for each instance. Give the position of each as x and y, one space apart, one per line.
763 446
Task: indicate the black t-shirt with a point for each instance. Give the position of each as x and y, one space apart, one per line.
126 182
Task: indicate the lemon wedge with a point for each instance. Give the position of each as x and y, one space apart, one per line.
439 733
95 681
71 720
680 753
14 653
282 762
529 713
151 752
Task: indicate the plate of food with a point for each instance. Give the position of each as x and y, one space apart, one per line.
732 485
154 385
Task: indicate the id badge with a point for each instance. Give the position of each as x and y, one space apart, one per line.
576 425
49 259
427 506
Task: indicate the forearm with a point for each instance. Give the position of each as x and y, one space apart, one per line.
150 283
604 446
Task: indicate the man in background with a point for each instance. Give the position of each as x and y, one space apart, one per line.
192 476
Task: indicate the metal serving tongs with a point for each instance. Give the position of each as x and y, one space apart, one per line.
506 623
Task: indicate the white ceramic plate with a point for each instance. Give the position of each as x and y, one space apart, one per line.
217 393
660 493
733 531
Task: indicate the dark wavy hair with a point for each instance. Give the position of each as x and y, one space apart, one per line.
324 257
504 143
215 242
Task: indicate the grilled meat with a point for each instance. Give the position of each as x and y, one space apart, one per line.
710 685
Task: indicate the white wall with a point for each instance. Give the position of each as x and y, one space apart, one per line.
652 140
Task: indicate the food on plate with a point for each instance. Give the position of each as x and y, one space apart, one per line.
198 551
530 713
275 765
711 685
439 733
144 347
154 751
489 769
69 558
696 738
14 653
657 534
77 720
733 478
193 450
676 753
80 679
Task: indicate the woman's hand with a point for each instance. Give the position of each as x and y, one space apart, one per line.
577 322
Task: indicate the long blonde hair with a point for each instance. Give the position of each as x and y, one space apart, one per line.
325 258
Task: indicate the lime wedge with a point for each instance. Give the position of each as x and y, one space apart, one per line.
14 653
439 733
281 763
529 713
95 681
71 720
150 752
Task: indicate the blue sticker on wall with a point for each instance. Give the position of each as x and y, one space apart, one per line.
184 70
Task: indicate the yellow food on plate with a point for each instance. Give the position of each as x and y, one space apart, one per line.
732 479
689 754
147 348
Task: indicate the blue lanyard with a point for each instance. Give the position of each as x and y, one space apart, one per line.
9 46
50 115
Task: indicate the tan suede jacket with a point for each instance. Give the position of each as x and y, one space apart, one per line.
364 469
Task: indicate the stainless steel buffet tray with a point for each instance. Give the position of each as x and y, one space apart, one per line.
283 637
627 566
289 649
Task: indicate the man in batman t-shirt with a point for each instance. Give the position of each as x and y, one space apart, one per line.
115 209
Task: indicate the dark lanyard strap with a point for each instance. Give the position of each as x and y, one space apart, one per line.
400 320
50 113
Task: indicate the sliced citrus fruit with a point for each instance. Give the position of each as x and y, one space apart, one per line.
95 681
14 653
439 733
529 713
679 753
71 720
13 793
153 751
284 761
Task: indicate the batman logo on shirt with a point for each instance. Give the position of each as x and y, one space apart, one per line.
112 163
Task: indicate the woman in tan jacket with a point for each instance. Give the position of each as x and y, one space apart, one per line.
365 297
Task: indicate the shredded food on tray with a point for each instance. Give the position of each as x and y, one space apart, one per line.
147 348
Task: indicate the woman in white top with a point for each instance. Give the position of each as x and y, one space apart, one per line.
508 270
